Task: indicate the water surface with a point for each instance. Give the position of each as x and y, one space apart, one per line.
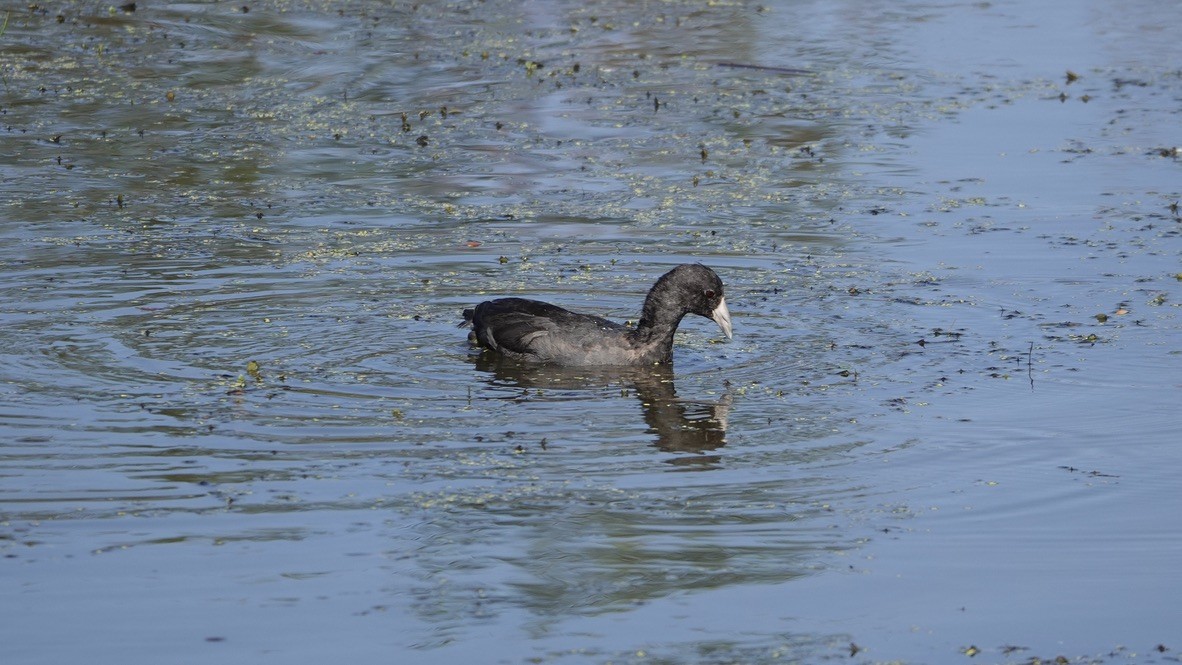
238 421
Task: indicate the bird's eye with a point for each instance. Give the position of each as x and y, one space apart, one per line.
709 293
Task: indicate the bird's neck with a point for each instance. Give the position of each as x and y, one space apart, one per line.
656 327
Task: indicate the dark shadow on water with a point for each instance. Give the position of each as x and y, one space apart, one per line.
679 425
613 542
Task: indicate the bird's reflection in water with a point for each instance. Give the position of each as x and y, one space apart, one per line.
680 425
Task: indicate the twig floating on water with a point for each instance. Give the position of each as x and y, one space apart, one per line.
792 71
1030 365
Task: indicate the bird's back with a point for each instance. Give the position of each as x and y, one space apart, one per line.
541 332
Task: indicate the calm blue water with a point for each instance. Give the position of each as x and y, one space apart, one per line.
238 421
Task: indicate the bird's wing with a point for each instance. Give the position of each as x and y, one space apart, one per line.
532 327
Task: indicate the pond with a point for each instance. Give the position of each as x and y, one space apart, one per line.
239 421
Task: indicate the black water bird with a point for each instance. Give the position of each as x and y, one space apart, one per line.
535 331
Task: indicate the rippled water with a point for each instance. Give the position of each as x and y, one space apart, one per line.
238 421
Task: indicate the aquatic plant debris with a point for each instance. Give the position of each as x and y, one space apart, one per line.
238 238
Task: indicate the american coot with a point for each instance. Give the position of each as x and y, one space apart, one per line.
540 332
